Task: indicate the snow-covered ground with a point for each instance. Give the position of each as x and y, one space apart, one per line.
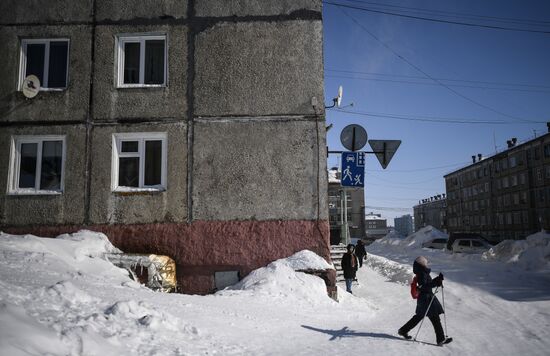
60 297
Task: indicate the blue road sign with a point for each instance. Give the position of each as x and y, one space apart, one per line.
353 169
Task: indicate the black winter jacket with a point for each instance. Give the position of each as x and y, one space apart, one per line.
426 283
349 270
360 250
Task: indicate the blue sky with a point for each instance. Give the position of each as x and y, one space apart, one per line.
418 69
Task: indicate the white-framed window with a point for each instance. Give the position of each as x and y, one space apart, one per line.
139 161
142 60
37 165
48 59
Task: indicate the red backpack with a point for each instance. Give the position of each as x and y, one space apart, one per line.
414 288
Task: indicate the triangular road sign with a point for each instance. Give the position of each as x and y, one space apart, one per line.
384 150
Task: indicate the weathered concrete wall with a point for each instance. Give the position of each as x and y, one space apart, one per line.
204 247
111 103
216 8
246 148
138 207
258 170
66 208
70 104
39 11
257 69
129 10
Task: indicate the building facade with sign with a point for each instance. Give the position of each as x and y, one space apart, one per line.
354 206
505 196
140 132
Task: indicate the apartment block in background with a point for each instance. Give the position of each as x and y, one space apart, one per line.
504 196
431 211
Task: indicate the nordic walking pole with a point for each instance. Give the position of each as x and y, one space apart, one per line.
426 313
444 311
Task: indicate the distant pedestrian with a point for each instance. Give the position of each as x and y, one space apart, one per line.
360 252
349 266
426 304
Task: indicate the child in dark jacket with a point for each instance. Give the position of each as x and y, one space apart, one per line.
426 283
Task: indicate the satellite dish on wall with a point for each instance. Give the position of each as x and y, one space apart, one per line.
31 86
339 97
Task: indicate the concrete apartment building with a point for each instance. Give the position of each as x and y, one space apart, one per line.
505 196
355 209
404 225
193 129
431 211
375 226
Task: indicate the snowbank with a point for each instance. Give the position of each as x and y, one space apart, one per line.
412 241
393 271
281 280
533 253
394 235
76 246
306 260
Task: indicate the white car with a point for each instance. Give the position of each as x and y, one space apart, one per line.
470 246
435 243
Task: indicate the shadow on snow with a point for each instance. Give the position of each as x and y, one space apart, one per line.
346 332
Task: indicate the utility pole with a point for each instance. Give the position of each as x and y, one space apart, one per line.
344 234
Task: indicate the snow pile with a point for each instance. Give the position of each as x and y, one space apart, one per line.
306 260
393 271
77 246
394 235
279 279
427 233
96 244
533 253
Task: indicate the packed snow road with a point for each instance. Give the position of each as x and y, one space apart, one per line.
60 297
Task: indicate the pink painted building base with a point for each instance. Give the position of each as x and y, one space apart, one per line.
204 247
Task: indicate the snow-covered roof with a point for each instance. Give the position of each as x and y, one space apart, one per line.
333 176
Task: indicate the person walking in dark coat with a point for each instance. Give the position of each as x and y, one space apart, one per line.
360 252
349 266
425 285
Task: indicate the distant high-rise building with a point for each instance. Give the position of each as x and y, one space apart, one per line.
404 225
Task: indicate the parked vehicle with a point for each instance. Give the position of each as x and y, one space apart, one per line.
468 245
435 243
463 235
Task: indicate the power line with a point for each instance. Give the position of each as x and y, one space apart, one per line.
392 199
403 181
417 169
438 120
427 75
436 84
400 187
443 79
469 24
456 14
387 208
421 169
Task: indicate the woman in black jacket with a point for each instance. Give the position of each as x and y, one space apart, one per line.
349 266
360 252
425 285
